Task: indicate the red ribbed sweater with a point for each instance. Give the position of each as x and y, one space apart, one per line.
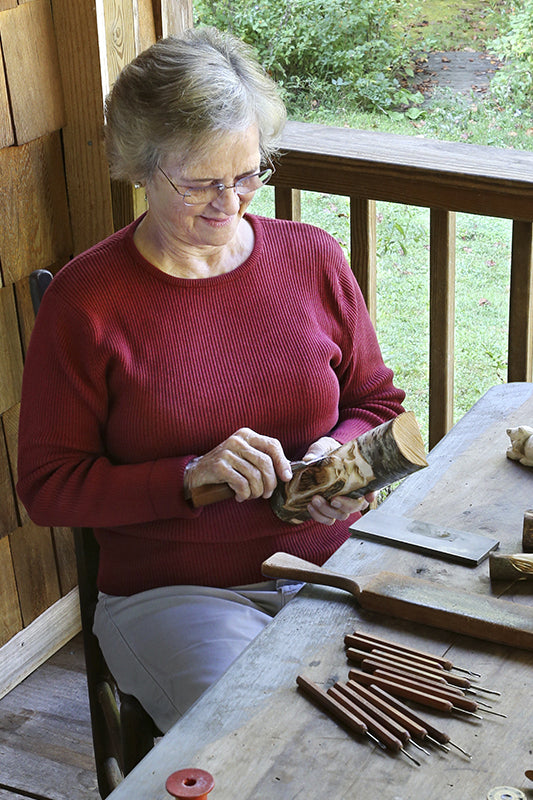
131 372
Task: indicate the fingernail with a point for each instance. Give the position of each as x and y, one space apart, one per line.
336 503
287 474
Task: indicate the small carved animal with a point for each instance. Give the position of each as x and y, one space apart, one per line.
521 448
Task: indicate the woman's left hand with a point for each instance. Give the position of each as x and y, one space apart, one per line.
338 508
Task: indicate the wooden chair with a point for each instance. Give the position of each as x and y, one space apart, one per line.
122 730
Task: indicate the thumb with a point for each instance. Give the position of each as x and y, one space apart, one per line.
320 448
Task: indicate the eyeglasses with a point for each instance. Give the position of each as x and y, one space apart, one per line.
196 196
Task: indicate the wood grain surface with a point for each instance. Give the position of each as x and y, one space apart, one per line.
261 738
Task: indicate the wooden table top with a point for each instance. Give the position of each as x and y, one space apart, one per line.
261 738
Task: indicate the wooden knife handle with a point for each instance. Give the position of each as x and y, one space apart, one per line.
210 493
284 565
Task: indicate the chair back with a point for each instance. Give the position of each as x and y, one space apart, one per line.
122 731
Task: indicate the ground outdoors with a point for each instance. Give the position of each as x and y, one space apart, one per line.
45 746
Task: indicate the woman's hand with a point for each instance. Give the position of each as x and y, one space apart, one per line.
338 508
248 462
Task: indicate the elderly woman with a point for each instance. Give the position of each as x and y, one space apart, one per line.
198 345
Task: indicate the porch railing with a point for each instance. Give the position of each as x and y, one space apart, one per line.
444 177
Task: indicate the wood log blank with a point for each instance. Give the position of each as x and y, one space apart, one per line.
374 460
516 565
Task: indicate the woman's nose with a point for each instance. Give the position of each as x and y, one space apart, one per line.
228 201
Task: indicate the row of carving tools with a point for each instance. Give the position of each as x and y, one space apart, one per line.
371 703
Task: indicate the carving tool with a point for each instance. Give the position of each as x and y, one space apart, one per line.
445 663
334 709
382 732
359 697
487 618
433 734
410 665
459 702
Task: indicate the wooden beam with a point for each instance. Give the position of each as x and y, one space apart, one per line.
520 367
33 645
405 169
441 323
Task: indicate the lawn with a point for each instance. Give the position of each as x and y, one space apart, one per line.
483 245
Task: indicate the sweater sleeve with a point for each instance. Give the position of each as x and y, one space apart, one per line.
368 396
65 477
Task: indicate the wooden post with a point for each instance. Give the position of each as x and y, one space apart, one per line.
520 366
287 203
363 249
441 322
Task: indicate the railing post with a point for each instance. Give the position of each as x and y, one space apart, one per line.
363 249
441 323
520 359
287 203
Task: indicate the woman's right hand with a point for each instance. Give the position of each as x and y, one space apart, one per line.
248 462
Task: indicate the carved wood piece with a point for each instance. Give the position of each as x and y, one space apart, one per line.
521 447
374 460
514 565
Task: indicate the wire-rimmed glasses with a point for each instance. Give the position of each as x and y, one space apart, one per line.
202 195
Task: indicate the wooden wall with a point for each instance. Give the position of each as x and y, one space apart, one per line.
59 58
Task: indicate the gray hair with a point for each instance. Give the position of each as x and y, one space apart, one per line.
180 93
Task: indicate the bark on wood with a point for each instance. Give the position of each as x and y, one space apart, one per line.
375 459
515 565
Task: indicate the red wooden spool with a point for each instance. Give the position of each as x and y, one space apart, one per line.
190 783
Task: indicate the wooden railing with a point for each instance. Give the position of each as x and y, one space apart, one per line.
444 177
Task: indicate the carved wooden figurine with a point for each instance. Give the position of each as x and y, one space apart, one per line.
521 447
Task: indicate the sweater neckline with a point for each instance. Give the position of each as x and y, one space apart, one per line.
235 274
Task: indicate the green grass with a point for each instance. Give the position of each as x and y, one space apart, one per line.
483 251
483 244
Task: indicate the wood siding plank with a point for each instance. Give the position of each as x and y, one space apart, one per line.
88 183
10 421
34 562
35 230
7 134
10 616
65 558
10 351
8 508
32 69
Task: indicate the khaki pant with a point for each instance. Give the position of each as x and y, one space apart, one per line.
166 646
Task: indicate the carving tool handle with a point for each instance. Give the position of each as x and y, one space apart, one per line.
283 565
210 493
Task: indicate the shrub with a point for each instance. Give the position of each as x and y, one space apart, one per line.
514 83
320 50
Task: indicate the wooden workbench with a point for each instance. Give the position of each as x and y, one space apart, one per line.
261 739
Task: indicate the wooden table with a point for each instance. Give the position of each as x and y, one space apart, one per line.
261 739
